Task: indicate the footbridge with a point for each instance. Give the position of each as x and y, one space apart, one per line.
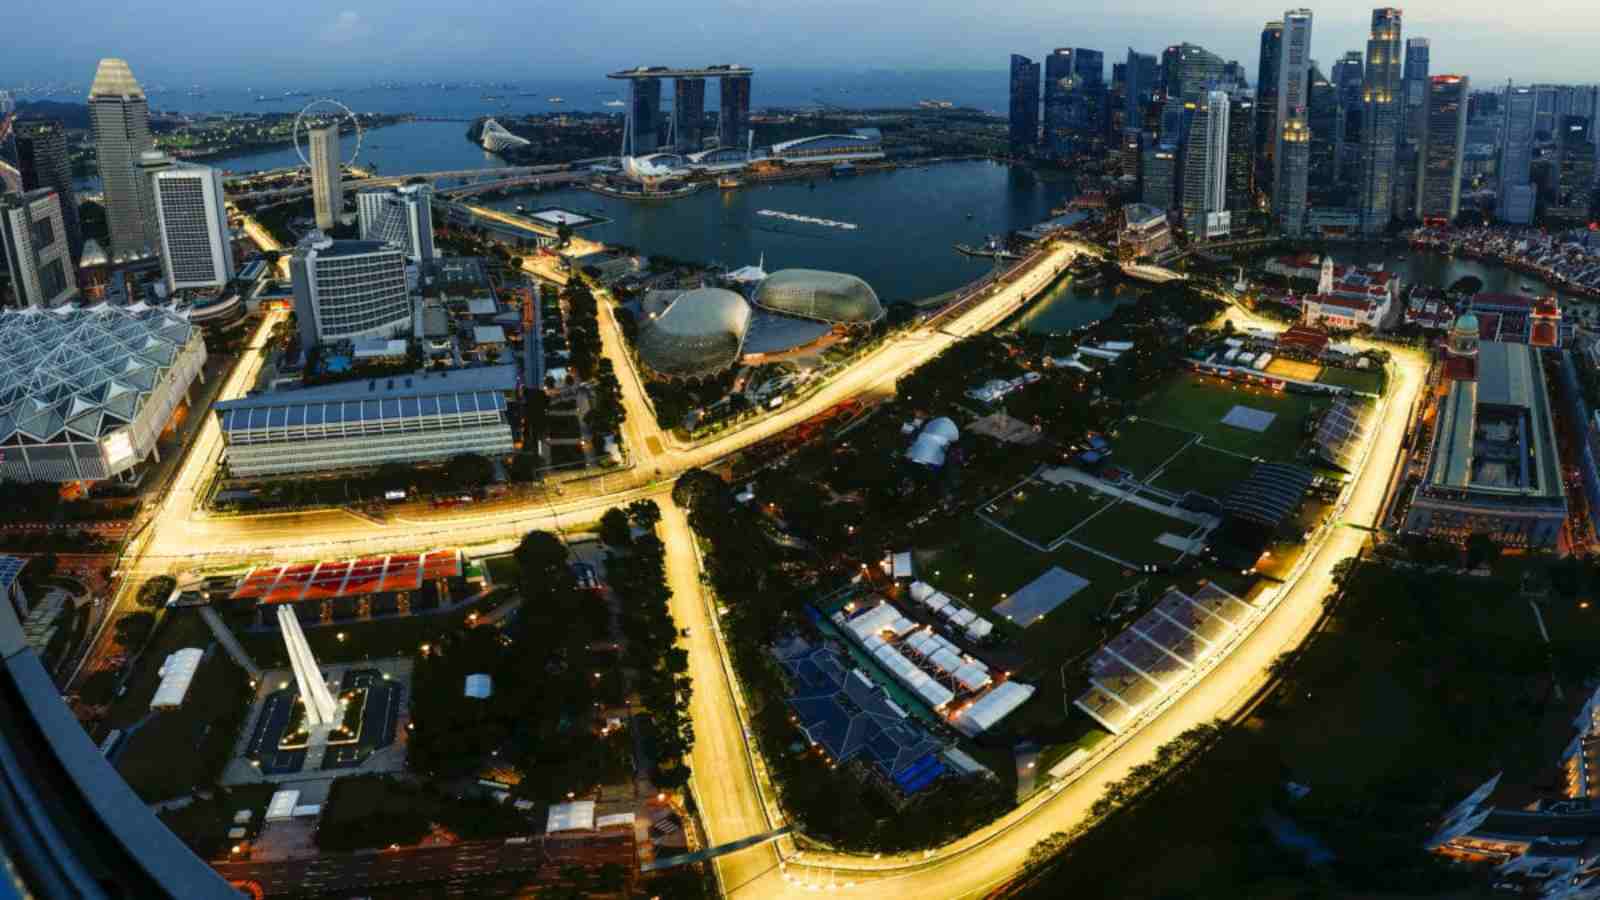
501 173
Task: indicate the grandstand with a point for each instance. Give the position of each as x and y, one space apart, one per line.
1340 433
1270 495
351 578
852 719
1181 635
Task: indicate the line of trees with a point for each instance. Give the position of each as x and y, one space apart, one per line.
637 569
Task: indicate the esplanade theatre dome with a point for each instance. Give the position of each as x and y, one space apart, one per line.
832 297
701 333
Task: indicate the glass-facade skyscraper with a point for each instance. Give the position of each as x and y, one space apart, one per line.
1058 89
733 113
1140 85
1414 115
1205 168
1241 154
43 161
1516 201
644 114
1267 105
688 114
10 177
120 115
1380 126
1439 187
1024 118
1348 79
1292 162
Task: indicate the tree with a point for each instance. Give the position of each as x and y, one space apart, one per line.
153 594
614 529
467 471
563 234
644 514
134 628
1467 284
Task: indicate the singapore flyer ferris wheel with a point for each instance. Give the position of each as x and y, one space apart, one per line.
308 117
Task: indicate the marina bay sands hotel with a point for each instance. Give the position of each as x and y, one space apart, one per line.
648 131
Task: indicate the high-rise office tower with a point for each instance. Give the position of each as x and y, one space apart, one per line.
1517 194
120 116
1205 168
401 216
1348 76
1089 92
1267 106
1059 82
644 112
1439 187
688 114
1158 175
196 250
1414 112
1024 131
1241 155
1546 111
37 256
733 111
1293 157
1141 86
1322 118
44 163
1191 70
151 163
1575 154
1131 147
348 289
1380 121
327 189
10 176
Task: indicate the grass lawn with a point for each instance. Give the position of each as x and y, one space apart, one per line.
1128 531
1043 512
1142 446
1368 380
204 824
181 628
1198 404
1205 470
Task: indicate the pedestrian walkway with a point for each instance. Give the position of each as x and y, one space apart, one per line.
224 636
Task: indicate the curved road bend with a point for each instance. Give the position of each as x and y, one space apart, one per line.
731 804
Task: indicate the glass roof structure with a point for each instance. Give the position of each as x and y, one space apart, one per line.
701 333
832 297
75 374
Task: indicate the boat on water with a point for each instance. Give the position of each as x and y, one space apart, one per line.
727 182
843 168
1528 287
614 103
522 208
554 100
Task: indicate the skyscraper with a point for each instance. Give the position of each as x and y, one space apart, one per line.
196 250
1322 118
1267 106
1141 84
399 216
1158 175
1241 155
1414 115
120 116
327 191
1024 110
44 163
151 163
1439 187
1192 70
1348 76
1380 121
1575 171
733 113
1058 90
1089 91
1205 168
10 177
1292 159
1517 194
644 112
35 248
688 114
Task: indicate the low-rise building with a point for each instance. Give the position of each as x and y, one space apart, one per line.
421 417
1145 231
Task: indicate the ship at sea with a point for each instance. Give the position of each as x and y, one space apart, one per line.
554 100
614 103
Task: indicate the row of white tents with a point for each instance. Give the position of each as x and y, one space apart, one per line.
977 627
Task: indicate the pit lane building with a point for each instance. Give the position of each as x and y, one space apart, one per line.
86 392
424 416
1492 466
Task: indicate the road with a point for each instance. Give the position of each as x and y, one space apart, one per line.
974 865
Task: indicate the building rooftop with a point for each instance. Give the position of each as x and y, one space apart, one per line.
1495 434
702 332
83 372
830 296
427 382
113 78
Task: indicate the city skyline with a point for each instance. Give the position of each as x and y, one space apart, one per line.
372 43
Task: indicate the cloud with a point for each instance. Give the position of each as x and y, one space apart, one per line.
346 28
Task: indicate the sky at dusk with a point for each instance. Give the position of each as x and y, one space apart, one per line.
228 43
